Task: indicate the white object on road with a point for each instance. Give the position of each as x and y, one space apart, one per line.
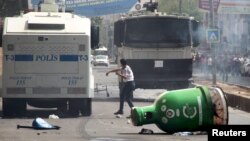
53 116
118 116
128 121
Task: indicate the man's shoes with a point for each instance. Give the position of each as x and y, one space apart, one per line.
118 113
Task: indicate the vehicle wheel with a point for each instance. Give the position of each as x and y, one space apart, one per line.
86 107
62 109
8 107
73 107
14 107
21 107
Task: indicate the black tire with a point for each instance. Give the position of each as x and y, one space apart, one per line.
73 107
86 108
83 105
7 108
62 109
14 107
21 107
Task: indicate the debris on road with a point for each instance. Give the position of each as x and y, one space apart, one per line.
40 124
53 116
146 131
118 116
128 121
183 133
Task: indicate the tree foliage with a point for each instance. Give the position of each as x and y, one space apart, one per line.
189 7
96 21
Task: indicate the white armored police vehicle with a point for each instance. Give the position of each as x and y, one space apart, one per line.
158 48
46 61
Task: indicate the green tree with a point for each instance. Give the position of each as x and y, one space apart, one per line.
96 21
189 7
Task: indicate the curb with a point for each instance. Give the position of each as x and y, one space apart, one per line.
116 99
236 85
238 102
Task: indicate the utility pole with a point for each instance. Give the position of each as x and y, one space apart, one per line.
212 44
180 6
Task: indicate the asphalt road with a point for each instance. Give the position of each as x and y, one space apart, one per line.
102 125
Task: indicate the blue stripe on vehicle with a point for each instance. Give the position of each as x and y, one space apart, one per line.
23 57
68 57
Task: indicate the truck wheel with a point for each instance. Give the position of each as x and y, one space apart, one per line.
14 107
86 108
73 107
84 105
8 107
62 109
20 107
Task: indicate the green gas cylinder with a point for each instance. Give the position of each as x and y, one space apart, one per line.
189 109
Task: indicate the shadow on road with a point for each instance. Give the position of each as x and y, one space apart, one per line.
43 113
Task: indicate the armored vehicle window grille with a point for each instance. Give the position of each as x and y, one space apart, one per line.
37 26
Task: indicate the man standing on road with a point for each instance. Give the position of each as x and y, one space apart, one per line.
126 91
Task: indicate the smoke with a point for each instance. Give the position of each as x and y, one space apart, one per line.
232 53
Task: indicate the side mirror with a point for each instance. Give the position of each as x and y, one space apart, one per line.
94 37
196 27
